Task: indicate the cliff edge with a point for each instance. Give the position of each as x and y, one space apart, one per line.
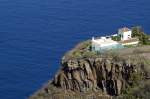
88 75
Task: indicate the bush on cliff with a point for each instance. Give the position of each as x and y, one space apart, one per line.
82 50
139 33
142 91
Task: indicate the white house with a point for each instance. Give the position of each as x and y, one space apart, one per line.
104 43
125 33
126 37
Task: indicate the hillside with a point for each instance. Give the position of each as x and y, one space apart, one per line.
83 74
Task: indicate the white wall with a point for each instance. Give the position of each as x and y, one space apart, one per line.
131 43
126 35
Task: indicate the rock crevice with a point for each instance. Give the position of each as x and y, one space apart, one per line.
83 75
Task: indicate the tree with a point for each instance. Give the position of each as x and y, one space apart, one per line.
143 37
116 38
136 31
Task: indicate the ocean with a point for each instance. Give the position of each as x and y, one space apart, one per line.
35 34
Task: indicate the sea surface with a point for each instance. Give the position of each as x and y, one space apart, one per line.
35 34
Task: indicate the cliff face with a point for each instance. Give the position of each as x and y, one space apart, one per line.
87 75
94 74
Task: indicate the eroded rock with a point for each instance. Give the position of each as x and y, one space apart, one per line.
93 74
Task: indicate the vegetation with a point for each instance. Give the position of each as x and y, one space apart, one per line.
82 50
138 92
116 38
139 33
140 88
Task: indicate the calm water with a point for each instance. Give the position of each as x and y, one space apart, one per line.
34 35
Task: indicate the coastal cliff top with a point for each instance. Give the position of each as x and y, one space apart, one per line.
83 50
122 73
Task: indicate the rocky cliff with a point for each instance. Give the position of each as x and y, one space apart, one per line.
94 74
99 75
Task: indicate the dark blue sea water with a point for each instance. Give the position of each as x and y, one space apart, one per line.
34 35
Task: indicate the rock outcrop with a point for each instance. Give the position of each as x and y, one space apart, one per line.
95 74
86 75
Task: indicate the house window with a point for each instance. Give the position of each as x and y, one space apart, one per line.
128 36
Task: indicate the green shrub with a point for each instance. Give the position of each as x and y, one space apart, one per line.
143 37
116 38
89 54
136 31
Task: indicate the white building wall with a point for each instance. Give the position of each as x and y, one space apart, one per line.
125 35
103 44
